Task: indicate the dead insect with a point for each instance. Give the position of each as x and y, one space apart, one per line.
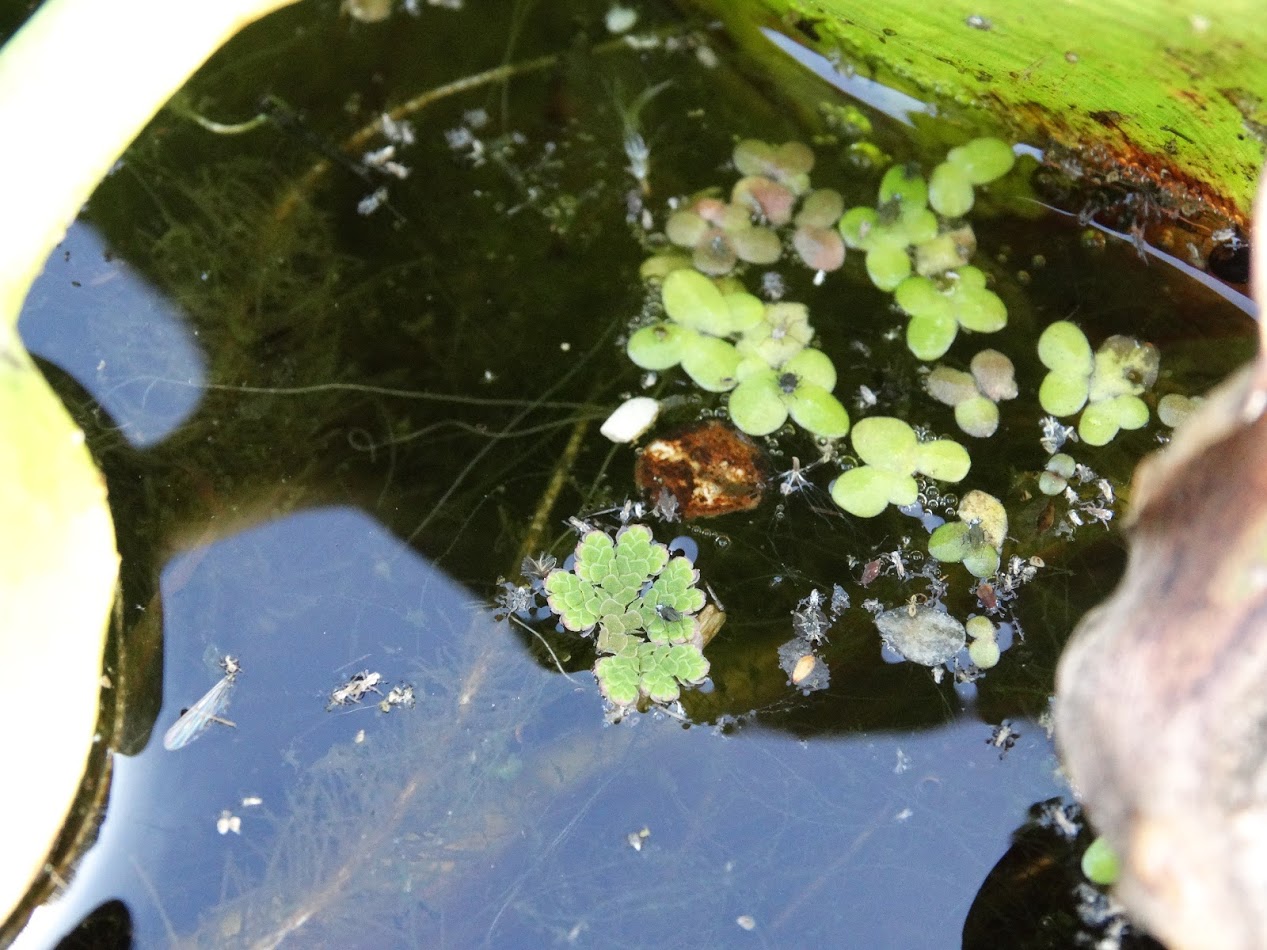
871 572
354 690
985 593
201 714
1003 737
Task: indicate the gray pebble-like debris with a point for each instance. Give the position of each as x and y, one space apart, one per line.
927 636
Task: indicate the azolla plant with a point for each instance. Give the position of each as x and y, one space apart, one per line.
642 604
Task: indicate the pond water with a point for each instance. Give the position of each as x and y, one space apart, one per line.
332 423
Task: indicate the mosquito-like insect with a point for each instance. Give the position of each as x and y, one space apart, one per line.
208 709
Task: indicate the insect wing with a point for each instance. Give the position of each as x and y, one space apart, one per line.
198 716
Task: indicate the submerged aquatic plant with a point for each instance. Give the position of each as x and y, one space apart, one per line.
976 538
1105 385
892 454
642 603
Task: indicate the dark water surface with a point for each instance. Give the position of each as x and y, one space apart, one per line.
326 434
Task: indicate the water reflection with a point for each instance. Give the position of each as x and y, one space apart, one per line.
116 336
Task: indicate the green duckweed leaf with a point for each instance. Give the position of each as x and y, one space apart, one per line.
756 405
921 297
1063 394
659 346
950 191
903 490
949 542
977 416
888 265
817 411
863 491
746 310
857 227
711 363
1099 424
1132 412
905 184
981 561
812 366
979 310
694 301
1063 348
943 460
886 443
983 159
984 653
1100 863
988 514
928 336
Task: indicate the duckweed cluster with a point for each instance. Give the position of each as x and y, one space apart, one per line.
976 539
1104 386
918 249
891 456
642 603
976 394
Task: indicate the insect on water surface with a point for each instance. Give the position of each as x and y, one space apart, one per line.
207 710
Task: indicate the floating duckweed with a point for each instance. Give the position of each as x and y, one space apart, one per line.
1174 408
658 346
886 443
865 156
756 245
1107 382
984 653
816 410
945 251
783 332
1063 348
821 208
857 225
977 416
980 627
1055 478
976 538
950 191
715 254
1049 483
921 634
904 184
694 301
978 309
685 228
863 491
920 296
756 405
1062 464
950 386
1100 864
659 266
974 395
943 459
746 310
819 248
995 375
888 265
983 159
1123 367
769 200
1062 394
801 387
788 164
986 511
928 336
711 362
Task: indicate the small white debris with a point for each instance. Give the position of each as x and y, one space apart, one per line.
620 19
371 202
631 419
252 801
746 921
228 822
636 838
